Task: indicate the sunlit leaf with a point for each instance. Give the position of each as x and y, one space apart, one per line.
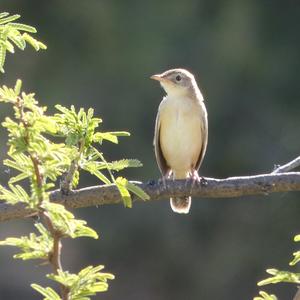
122 187
47 292
137 191
265 296
280 276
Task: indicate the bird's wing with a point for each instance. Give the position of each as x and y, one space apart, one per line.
161 161
204 133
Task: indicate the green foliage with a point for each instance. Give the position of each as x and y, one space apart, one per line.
27 139
33 246
48 292
14 195
43 148
87 282
31 153
36 155
81 286
11 34
265 296
125 186
279 276
79 128
65 223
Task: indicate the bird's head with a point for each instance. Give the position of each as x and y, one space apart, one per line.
177 82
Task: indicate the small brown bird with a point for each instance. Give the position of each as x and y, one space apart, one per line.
181 131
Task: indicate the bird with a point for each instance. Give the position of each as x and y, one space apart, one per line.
181 131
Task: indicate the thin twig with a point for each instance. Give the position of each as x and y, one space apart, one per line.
289 166
55 255
66 182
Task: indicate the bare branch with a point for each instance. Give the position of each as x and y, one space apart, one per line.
208 188
55 255
289 166
297 296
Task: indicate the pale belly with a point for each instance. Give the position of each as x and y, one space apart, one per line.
181 137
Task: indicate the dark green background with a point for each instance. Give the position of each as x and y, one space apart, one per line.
245 55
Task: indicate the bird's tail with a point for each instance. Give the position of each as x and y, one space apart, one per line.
181 205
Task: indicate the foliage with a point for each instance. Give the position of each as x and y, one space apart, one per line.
281 276
265 296
86 283
37 156
33 246
79 130
11 34
42 149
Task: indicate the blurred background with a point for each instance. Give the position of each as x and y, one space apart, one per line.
245 56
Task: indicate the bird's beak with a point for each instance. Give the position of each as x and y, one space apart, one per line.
157 77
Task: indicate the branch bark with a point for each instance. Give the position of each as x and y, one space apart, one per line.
295 163
297 296
263 184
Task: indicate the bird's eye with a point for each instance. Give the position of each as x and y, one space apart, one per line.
178 78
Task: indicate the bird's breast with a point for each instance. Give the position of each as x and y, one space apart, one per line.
181 133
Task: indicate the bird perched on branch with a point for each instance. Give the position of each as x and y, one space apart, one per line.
181 131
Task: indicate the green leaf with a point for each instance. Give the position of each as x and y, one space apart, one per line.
3 14
18 87
265 296
122 187
14 195
64 222
18 40
2 57
32 246
296 258
75 179
120 133
297 238
9 46
92 167
33 42
47 292
24 165
9 19
109 136
124 163
86 283
137 191
23 27
100 136
280 276
19 177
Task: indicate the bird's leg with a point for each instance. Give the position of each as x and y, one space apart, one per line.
195 177
165 177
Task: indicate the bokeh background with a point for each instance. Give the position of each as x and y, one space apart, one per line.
245 55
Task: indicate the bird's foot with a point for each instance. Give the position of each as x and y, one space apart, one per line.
195 178
164 179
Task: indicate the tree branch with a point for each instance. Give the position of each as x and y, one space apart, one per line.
289 166
297 296
208 188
